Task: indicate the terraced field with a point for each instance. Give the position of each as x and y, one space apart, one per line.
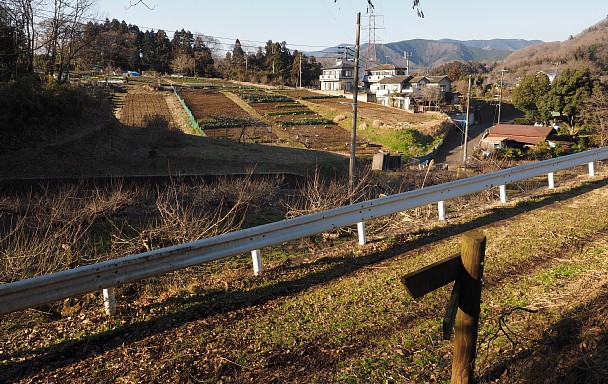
141 109
219 116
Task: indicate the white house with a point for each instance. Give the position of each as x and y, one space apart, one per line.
395 91
339 77
374 75
406 91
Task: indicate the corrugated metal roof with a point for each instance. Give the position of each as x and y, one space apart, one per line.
527 134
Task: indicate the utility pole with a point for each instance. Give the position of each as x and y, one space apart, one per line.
555 73
300 69
502 78
407 55
466 127
353 141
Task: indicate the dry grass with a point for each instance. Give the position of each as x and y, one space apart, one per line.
339 313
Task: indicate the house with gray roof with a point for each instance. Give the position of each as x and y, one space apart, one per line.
338 77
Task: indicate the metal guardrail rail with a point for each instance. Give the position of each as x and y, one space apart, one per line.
56 286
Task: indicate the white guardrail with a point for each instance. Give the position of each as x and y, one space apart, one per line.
108 274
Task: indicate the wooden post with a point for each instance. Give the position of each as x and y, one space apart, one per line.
467 317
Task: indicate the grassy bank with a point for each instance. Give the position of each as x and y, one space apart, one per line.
340 314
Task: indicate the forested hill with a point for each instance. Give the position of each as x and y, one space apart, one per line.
587 49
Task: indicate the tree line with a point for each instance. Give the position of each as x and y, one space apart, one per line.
59 37
577 97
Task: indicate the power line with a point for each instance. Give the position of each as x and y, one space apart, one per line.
49 15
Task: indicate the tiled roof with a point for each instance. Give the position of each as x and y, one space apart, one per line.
395 79
341 65
382 67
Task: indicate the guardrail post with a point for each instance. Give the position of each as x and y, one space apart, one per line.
551 180
441 209
503 193
362 233
467 316
109 301
591 169
256 257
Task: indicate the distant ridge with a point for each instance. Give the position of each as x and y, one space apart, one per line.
428 54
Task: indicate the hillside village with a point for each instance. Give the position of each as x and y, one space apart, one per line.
174 211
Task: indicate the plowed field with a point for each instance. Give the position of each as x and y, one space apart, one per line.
142 108
328 136
219 116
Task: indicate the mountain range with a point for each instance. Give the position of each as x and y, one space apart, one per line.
429 53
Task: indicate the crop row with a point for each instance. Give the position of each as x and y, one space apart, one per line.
264 98
293 112
321 97
211 123
306 121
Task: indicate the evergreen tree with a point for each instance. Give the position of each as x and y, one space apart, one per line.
532 88
568 93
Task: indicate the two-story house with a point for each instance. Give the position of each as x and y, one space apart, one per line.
374 75
339 77
407 91
395 91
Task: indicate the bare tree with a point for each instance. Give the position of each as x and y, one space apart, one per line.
595 112
65 34
23 12
182 63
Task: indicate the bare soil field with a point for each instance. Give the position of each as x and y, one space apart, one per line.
150 142
140 108
327 136
220 117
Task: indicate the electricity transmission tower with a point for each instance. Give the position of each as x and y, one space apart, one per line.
371 55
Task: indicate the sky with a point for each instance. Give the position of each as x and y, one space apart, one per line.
310 25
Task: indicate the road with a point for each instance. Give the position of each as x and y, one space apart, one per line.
451 152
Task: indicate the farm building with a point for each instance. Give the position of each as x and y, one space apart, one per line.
518 136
